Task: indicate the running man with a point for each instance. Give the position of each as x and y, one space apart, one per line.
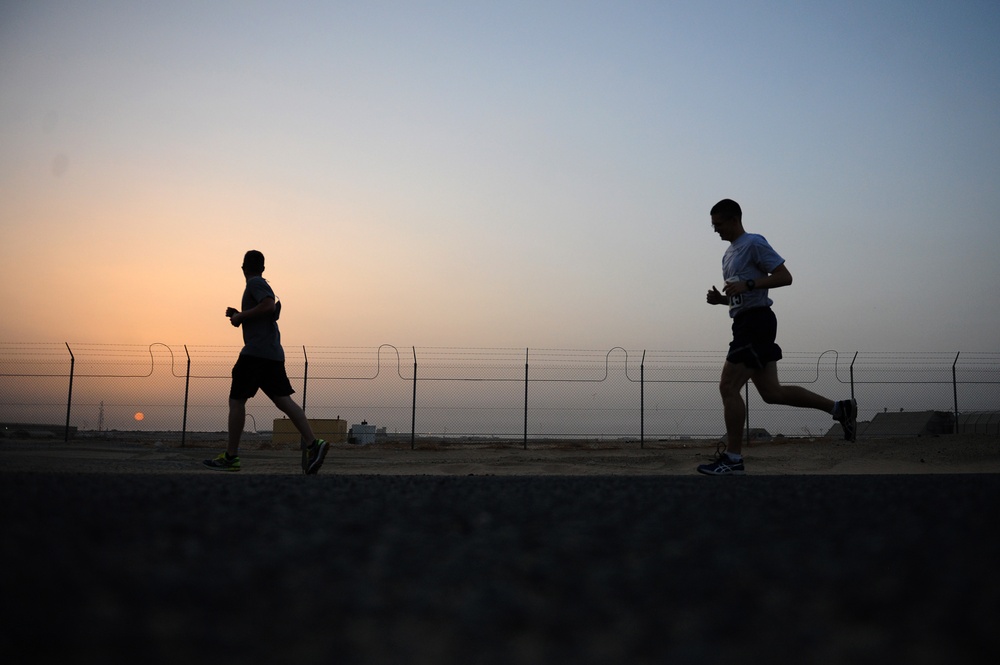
261 366
750 267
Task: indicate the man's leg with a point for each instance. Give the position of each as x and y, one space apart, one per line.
296 415
734 377
316 449
772 392
237 420
730 462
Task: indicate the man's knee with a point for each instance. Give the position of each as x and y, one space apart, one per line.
286 404
728 388
731 384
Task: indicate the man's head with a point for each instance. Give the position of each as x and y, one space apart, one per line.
727 209
253 263
727 219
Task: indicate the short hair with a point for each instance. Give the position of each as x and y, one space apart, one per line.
728 209
253 261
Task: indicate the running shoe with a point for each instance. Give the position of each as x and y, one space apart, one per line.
848 418
722 466
316 452
223 463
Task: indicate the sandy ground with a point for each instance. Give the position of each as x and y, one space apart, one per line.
826 552
923 455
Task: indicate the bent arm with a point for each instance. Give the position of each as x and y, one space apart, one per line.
780 277
263 308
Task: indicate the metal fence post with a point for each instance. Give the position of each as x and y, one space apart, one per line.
526 399
187 385
69 399
954 390
746 389
303 444
642 401
413 415
852 373
305 376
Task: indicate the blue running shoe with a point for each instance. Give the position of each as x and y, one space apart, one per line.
722 466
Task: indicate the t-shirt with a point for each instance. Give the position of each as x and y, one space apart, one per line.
749 257
261 338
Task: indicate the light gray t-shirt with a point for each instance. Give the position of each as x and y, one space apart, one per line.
749 257
261 338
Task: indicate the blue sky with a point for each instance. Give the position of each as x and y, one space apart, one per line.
515 174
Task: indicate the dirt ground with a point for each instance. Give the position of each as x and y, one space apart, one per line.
920 455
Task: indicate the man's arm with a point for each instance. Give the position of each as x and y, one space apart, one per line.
780 277
264 308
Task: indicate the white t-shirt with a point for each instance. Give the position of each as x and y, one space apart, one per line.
749 257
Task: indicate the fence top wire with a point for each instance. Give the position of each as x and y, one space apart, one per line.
16 358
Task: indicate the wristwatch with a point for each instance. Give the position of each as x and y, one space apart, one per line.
751 284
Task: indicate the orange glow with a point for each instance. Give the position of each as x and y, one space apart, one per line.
139 416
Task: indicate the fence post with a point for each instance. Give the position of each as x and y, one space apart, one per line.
954 389
303 444
852 373
526 399
187 385
69 399
305 376
746 389
413 416
642 401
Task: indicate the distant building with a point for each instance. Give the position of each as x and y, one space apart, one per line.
979 422
362 434
333 430
902 423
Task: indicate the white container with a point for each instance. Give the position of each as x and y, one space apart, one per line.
362 434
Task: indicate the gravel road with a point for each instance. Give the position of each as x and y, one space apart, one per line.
218 568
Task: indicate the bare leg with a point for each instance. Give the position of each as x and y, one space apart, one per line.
237 419
296 415
734 377
772 392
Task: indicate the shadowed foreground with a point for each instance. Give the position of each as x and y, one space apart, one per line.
218 568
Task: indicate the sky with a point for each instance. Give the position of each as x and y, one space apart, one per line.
509 174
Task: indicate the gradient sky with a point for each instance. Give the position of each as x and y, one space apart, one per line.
513 174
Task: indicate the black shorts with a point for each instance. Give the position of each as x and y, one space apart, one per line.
251 374
754 332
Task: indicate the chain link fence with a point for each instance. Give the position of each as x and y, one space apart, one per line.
180 392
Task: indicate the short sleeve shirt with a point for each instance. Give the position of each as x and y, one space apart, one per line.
749 257
261 338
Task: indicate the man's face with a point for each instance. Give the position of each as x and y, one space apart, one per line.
724 226
250 270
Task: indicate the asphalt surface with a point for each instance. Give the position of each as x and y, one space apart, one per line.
235 568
